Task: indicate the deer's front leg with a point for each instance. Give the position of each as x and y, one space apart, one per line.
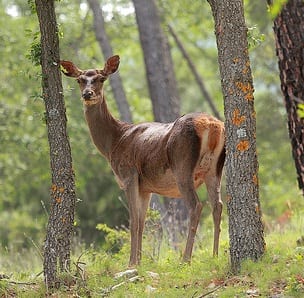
143 204
138 204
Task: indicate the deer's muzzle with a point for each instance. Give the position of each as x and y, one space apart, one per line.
87 94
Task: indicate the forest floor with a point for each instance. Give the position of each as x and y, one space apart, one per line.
96 273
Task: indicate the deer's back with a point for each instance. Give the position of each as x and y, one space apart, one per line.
153 149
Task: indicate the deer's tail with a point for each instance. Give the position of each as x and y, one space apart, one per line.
221 162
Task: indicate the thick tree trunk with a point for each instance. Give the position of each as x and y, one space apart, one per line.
245 225
164 96
62 196
289 28
105 46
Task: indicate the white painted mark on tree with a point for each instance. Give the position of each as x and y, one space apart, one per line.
241 133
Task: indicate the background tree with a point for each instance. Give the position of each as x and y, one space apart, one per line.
62 198
164 96
158 62
198 78
245 225
105 46
289 28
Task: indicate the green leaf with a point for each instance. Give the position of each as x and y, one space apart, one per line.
276 7
300 110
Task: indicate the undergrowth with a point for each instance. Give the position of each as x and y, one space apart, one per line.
280 273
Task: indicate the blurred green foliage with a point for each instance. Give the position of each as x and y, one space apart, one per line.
24 160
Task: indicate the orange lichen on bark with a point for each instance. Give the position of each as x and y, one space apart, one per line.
249 96
243 146
247 89
236 60
58 200
237 119
246 67
244 87
255 179
53 187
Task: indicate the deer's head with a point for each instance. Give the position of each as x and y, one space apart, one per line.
90 81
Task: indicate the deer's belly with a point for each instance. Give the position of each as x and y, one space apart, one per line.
166 185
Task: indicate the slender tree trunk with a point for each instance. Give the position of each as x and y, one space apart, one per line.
105 46
289 28
194 71
62 195
164 97
245 225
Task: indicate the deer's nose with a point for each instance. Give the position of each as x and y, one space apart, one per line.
87 94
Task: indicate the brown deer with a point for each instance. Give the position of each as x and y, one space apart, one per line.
170 159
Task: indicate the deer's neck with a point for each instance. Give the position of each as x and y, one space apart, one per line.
104 128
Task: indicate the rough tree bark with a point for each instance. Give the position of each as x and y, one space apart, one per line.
164 95
62 194
105 46
289 28
245 225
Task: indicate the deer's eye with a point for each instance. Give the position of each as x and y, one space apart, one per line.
81 80
96 79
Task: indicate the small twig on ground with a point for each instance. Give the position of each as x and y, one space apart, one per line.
22 283
38 274
3 276
212 291
217 288
132 279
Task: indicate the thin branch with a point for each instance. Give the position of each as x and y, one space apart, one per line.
193 69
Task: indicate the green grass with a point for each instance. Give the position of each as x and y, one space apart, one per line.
280 271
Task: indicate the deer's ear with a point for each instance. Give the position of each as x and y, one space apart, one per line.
70 69
111 65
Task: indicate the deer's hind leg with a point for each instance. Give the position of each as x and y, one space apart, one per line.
184 153
195 208
213 184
